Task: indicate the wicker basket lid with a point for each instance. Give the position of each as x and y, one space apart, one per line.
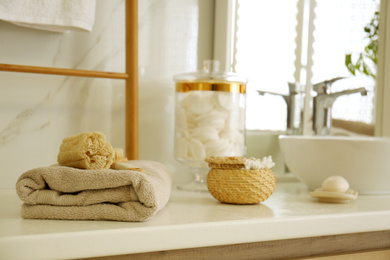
233 162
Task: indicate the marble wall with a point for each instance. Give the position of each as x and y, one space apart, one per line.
38 111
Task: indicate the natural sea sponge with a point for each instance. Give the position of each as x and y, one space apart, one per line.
88 150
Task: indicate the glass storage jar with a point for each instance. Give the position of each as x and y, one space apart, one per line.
209 119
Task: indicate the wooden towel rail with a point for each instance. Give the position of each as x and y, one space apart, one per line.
131 77
63 72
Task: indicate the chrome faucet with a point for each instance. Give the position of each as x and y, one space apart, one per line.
322 104
295 103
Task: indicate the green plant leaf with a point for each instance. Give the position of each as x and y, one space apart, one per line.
348 63
368 58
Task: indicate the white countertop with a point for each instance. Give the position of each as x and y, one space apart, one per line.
189 220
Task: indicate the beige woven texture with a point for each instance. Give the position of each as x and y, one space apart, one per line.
228 182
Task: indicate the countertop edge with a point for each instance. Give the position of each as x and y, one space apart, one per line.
183 236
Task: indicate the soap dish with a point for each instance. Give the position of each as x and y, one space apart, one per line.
334 197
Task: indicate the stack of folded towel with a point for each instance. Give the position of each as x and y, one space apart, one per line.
79 193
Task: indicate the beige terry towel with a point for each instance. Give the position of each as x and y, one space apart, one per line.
57 15
60 192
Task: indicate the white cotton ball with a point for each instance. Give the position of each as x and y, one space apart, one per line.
190 120
198 102
211 115
186 100
204 134
216 123
335 184
196 150
216 147
236 142
214 119
225 100
229 150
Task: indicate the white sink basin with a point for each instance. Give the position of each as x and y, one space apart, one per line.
363 161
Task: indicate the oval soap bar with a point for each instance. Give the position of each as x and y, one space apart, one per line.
335 184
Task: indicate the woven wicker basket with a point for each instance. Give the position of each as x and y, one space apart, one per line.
230 183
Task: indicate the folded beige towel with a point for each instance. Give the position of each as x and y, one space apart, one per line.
60 192
88 150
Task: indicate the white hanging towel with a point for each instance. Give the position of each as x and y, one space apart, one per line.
50 15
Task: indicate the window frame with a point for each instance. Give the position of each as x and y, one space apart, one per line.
382 126
223 33
223 49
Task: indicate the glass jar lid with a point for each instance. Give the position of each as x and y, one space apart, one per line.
211 79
